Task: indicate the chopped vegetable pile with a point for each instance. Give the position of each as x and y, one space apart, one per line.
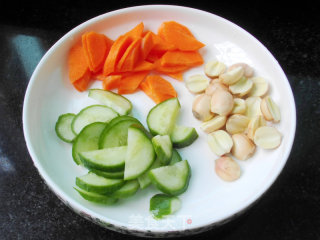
135 60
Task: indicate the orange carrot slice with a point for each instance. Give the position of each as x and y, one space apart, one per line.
179 36
96 47
163 69
136 32
147 43
178 76
161 46
83 83
144 86
143 66
77 63
117 50
111 82
130 83
130 57
181 58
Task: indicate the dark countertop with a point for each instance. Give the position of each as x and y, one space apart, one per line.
289 210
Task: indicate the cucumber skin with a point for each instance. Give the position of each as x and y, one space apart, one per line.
190 139
161 154
167 191
96 198
88 164
121 194
57 126
160 205
175 157
111 175
144 180
100 189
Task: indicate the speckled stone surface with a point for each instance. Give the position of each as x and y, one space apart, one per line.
289 210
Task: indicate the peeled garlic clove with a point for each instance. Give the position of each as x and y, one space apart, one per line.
220 142
253 107
270 110
259 88
214 124
248 71
243 147
254 124
197 83
242 87
267 137
237 123
214 68
239 106
215 85
232 76
221 102
227 169
201 107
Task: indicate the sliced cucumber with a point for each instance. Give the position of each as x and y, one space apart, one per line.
127 190
87 140
162 205
108 159
163 148
97 184
172 180
63 127
117 134
175 157
96 197
117 102
93 113
183 136
140 153
112 175
162 117
144 180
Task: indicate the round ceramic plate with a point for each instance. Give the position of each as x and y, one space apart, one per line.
209 201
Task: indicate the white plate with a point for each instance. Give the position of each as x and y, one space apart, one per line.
208 201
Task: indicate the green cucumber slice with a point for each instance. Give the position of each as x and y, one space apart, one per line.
117 102
175 157
162 117
108 159
183 136
172 180
63 127
140 153
163 148
144 180
162 205
112 175
87 140
117 134
97 184
95 197
127 190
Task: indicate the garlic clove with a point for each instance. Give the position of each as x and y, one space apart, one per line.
270 110
254 124
243 147
267 137
253 107
214 68
239 106
197 83
221 102
242 87
215 85
201 107
259 88
248 71
237 123
232 76
214 124
227 169
220 142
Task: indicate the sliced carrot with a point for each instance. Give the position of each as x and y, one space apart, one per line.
111 82
153 57
130 83
144 86
161 46
83 83
96 47
178 76
117 50
130 57
143 66
77 63
179 35
136 32
98 76
181 58
163 69
147 43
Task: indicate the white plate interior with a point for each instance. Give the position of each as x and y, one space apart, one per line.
208 199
